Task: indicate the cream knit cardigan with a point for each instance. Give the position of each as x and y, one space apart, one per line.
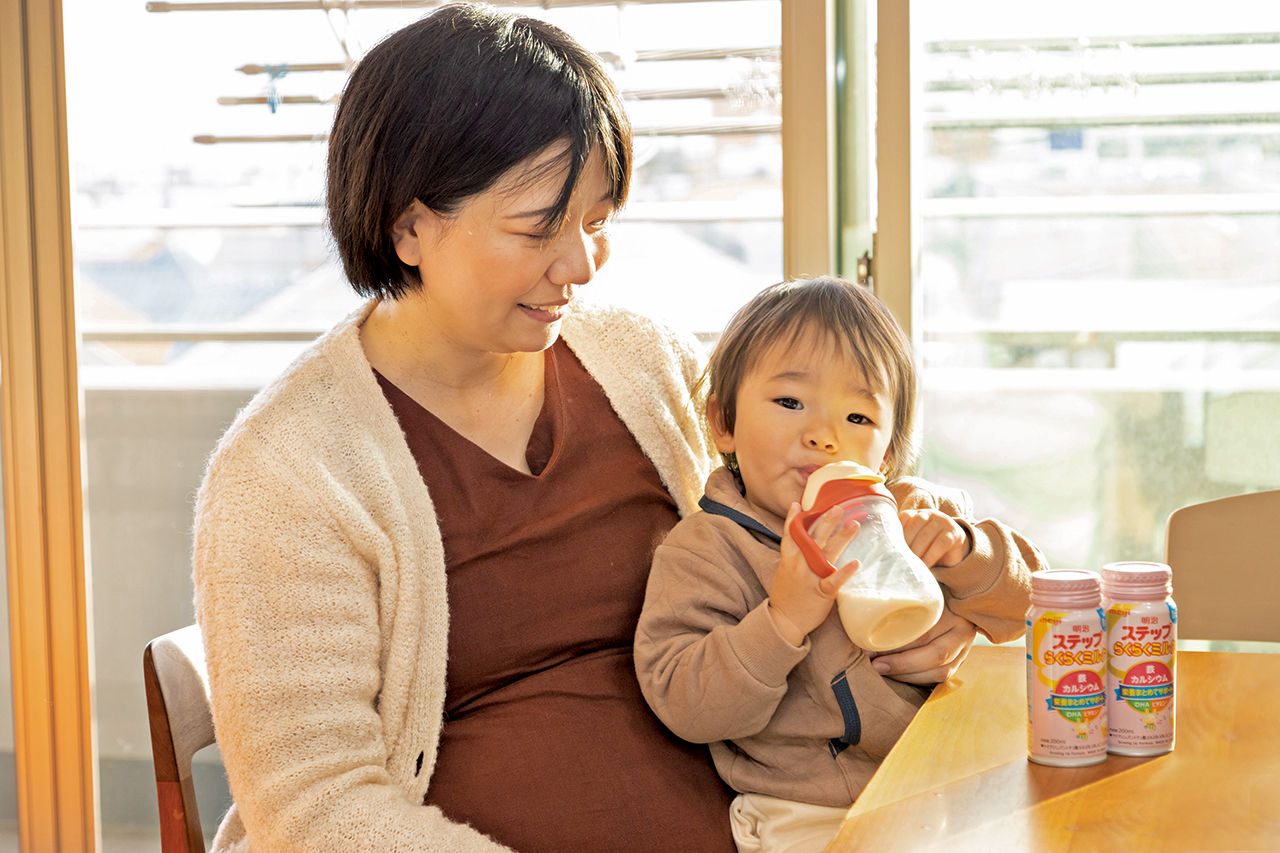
320 588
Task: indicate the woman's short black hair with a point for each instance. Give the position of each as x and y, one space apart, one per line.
442 109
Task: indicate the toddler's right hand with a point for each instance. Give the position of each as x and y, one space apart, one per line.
798 599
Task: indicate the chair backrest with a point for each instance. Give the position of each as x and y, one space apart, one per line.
1226 568
173 668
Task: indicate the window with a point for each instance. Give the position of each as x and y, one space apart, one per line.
203 267
1098 310
200 214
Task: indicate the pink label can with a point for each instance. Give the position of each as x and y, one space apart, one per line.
1066 670
1142 639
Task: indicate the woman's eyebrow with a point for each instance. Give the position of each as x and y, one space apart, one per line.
544 212
539 214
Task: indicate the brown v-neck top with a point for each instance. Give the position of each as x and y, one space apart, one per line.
548 744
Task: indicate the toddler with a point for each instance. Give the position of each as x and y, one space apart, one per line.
738 645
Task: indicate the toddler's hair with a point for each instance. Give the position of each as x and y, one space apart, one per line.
807 310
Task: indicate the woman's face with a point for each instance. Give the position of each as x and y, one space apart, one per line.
492 281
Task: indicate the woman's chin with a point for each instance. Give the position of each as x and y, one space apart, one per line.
537 339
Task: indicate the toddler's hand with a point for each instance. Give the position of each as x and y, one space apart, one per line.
798 599
935 537
933 658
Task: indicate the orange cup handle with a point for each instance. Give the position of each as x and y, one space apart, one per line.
813 555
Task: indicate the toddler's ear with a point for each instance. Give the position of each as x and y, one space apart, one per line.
886 463
715 420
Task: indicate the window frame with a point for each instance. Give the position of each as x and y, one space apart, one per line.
43 478
43 473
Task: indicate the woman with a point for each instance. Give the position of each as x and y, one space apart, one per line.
421 553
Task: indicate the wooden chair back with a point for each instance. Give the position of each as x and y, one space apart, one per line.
1226 568
173 668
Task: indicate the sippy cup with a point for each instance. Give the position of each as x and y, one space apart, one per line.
892 598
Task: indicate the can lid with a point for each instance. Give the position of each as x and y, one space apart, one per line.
1068 588
1137 581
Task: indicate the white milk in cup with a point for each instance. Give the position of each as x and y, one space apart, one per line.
892 599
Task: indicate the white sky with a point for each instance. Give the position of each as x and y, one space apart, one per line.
141 85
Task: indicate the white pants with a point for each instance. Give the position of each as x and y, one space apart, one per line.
763 824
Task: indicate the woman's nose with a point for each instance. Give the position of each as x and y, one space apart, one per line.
579 254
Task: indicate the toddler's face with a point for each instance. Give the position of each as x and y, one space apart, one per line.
802 407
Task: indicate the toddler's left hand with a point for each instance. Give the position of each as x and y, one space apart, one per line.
935 537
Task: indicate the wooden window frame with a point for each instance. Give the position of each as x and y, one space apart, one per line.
52 664
809 188
896 257
43 479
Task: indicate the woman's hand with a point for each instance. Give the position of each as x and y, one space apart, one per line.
933 658
799 600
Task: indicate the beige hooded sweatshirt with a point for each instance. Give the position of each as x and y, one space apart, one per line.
809 723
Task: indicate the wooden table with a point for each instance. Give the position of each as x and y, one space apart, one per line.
959 778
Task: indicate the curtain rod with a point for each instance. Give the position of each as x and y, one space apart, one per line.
690 55
1086 81
351 5
728 128
1083 43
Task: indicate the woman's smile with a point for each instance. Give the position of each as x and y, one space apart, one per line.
549 313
